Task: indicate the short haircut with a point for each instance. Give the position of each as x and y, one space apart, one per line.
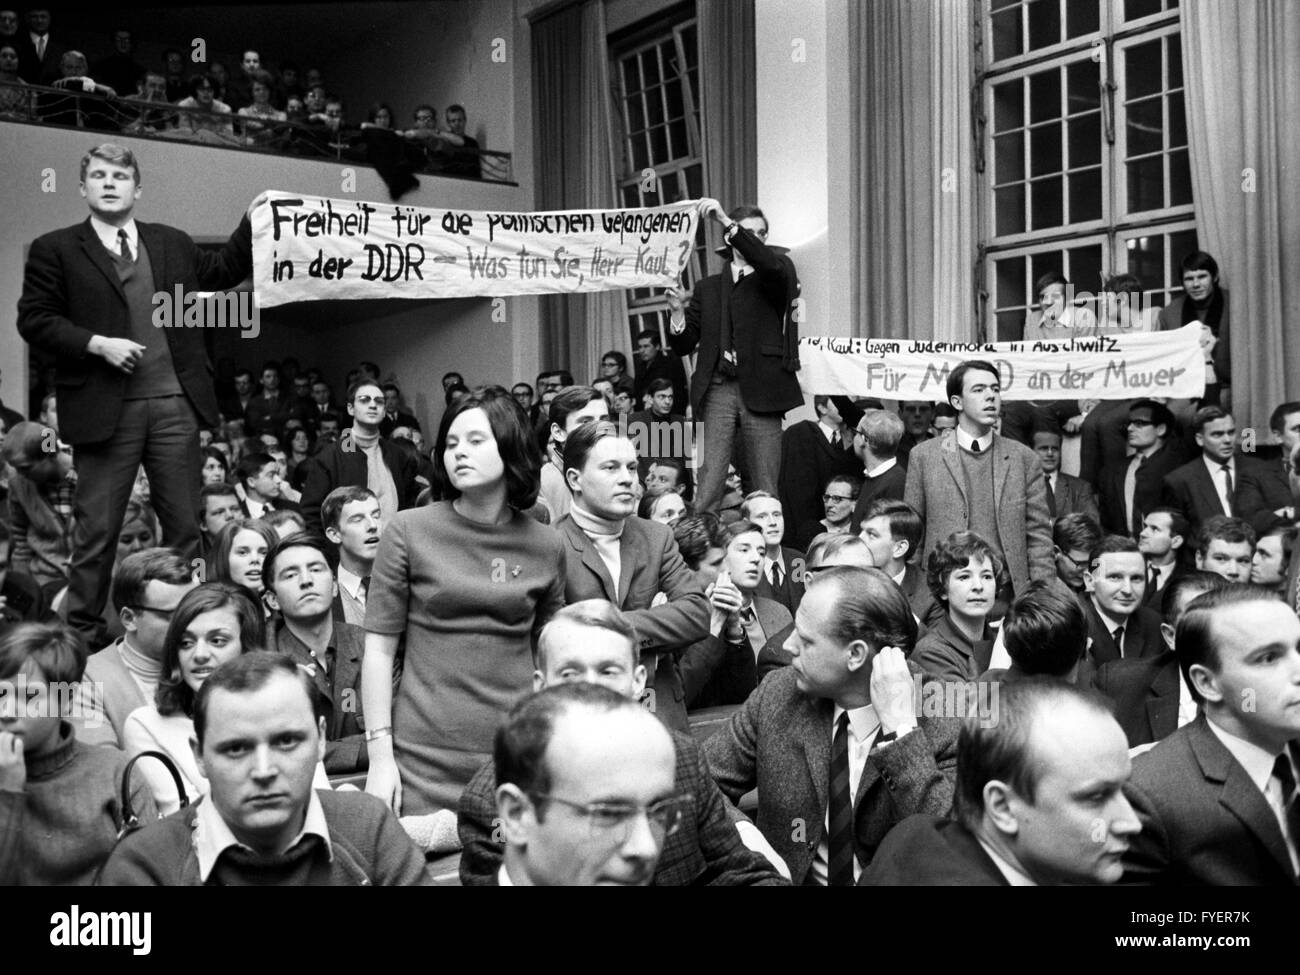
1111 545
728 533
515 388
957 378
369 368
1123 284
251 671
944 411
518 450
904 522
659 385
1180 588
953 553
651 335
854 484
329 418
564 376
113 154
331 509
1199 261
618 357
424 107
1049 279
1277 419
1223 528
827 545
747 504
285 517
1206 415
692 536
1045 630
882 431
139 569
870 607
174 695
571 400
582 441
744 211
299 539
1178 523
677 465
250 465
519 750
1161 415
357 384
599 614
625 386
454 108
55 647
1194 639
391 388
1076 532
1002 750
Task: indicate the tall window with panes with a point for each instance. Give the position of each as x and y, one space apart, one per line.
657 88
1083 154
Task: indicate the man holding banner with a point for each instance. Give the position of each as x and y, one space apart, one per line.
742 323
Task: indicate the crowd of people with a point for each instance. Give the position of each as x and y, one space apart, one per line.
288 109
576 643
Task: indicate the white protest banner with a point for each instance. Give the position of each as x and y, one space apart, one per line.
1167 364
309 248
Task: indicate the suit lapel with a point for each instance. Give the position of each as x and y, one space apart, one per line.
1204 485
813 734
153 242
591 558
632 555
1162 703
949 451
94 250
1001 465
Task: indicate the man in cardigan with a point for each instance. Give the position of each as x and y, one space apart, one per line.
741 321
262 823
129 393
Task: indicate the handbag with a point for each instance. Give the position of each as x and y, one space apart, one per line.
130 818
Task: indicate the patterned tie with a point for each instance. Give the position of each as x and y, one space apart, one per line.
124 246
839 838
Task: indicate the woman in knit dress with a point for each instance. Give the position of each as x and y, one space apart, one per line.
470 581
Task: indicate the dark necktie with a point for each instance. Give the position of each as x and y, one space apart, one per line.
1227 480
974 446
1051 497
839 838
835 441
365 587
1290 800
776 575
124 246
1153 580
1118 637
1137 513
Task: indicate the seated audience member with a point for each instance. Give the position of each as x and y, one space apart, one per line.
664 475
609 554
307 836
1207 486
624 397
833 742
654 363
917 415
893 531
1263 489
394 415
260 108
272 407
89 107
380 115
613 367
40 504
15 97
1021 419
838 498
300 449
216 468
450 379
569 410
147 588
606 389
1118 624
812 452
1039 800
1272 559
695 535
238 553
944 423
1044 636
328 429
285 523
353 522
1131 486
1066 495
218 507
456 153
1073 539
721 667
213 623
204 122
781 575
1203 301
1057 315
60 799
1150 696
591 642
322 403
667 509
21 598
363 459
258 481
300 586
962 576
1226 546
1125 308
1164 532
876 443
152 88
825 552
1217 797
523 394
572 755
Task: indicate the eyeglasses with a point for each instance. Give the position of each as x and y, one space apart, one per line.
859 433
612 821
165 614
828 498
367 400
1140 423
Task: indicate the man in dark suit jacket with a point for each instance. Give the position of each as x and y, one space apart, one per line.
813 728
741 321
653 363
1069 825
1156 453
875 441
128 392
1166 537
39 55
591 641
1207 486
1210 795
1066 495
1116 582
782 574
300 586
271 408
812 452
1264 494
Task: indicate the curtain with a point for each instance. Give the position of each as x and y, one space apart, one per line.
911 168
1243 101
729 112
574 169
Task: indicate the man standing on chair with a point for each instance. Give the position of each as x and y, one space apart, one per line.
742 323
129 393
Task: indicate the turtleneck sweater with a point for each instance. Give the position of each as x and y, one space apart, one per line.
605 536
143 670
378 478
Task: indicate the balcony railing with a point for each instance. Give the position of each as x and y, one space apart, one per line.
79 103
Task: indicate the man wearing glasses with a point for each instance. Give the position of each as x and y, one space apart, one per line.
592 642
1131 489
147 588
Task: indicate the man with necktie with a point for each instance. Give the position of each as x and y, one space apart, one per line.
1207 486
1118 624
1132 487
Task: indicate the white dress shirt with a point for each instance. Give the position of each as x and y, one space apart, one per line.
1258 764
350 583
863 728
212 836
881 468
965 440
1220 483
107 235
1014 877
